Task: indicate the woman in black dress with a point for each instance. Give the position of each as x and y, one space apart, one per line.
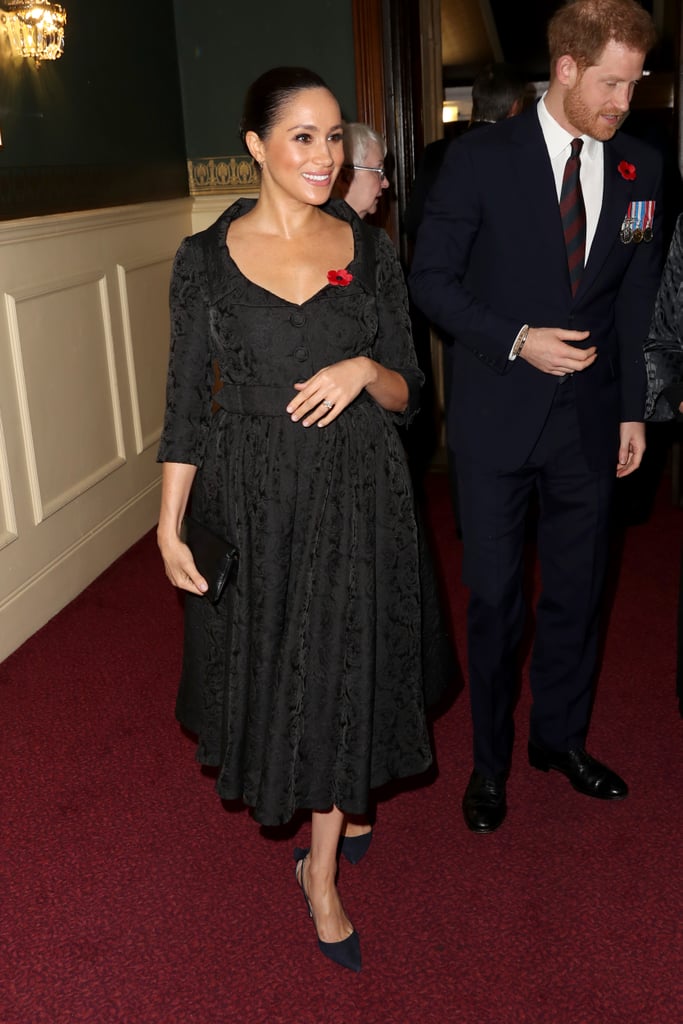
304 683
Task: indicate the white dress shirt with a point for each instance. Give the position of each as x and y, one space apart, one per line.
558 143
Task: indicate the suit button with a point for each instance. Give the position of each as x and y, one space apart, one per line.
301 354
297 319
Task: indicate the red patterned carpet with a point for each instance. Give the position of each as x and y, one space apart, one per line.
131 894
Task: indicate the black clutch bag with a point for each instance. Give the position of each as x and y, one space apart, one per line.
214 556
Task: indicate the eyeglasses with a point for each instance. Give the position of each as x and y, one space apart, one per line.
375 170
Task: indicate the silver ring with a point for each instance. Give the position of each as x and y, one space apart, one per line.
328 404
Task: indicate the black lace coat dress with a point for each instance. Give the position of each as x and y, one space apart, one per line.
304 683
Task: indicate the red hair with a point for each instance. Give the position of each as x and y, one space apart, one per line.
583 28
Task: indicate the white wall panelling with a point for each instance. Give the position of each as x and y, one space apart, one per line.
143 287
67 392
8 521
83 349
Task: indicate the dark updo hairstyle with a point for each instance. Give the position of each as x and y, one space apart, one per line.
269 93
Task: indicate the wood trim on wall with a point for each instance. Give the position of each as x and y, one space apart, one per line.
368 34
403 74
399 92
432 73
389 94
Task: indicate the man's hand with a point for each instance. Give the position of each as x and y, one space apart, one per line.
548 349
631 447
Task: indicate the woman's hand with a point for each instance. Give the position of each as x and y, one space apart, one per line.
176 482
326 394
631 447
179 564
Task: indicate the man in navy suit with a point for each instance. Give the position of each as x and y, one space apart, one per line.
540 256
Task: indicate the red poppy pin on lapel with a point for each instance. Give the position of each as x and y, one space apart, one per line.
627 170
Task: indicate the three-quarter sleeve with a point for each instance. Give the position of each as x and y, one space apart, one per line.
394 348
188 387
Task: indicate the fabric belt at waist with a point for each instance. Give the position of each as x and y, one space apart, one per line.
260 400
254 399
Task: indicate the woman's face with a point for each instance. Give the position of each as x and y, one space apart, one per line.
366 186
302 155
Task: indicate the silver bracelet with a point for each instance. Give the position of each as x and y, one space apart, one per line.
519 341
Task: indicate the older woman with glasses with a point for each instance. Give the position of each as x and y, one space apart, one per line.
362 178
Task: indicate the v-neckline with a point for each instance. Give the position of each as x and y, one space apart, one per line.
274 295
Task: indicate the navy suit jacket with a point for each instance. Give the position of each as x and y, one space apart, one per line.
490 256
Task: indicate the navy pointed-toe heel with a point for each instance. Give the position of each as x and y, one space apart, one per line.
345 953
354 848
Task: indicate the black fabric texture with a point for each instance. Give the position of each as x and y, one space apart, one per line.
304 685
664 345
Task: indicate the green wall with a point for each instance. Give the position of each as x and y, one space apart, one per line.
145 85
103 124
223 46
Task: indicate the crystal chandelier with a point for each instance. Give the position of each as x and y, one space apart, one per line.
35 28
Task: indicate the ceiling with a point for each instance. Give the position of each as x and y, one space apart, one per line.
476 32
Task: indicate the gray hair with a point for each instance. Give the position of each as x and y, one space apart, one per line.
358 138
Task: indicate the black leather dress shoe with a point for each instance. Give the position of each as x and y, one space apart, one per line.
586 775
484 804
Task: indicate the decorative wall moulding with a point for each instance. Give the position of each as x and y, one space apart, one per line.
218 174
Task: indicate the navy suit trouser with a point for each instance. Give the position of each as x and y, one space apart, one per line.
572 544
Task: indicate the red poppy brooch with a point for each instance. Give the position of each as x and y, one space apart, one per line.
627 170
340 277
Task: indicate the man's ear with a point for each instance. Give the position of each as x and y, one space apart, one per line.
566 71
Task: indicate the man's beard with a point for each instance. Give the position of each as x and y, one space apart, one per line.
587 121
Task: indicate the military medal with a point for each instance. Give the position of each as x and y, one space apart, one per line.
626 233
637 224
648 220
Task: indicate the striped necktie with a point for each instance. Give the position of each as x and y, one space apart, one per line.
573 214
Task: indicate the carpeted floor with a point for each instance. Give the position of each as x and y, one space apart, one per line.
131 894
